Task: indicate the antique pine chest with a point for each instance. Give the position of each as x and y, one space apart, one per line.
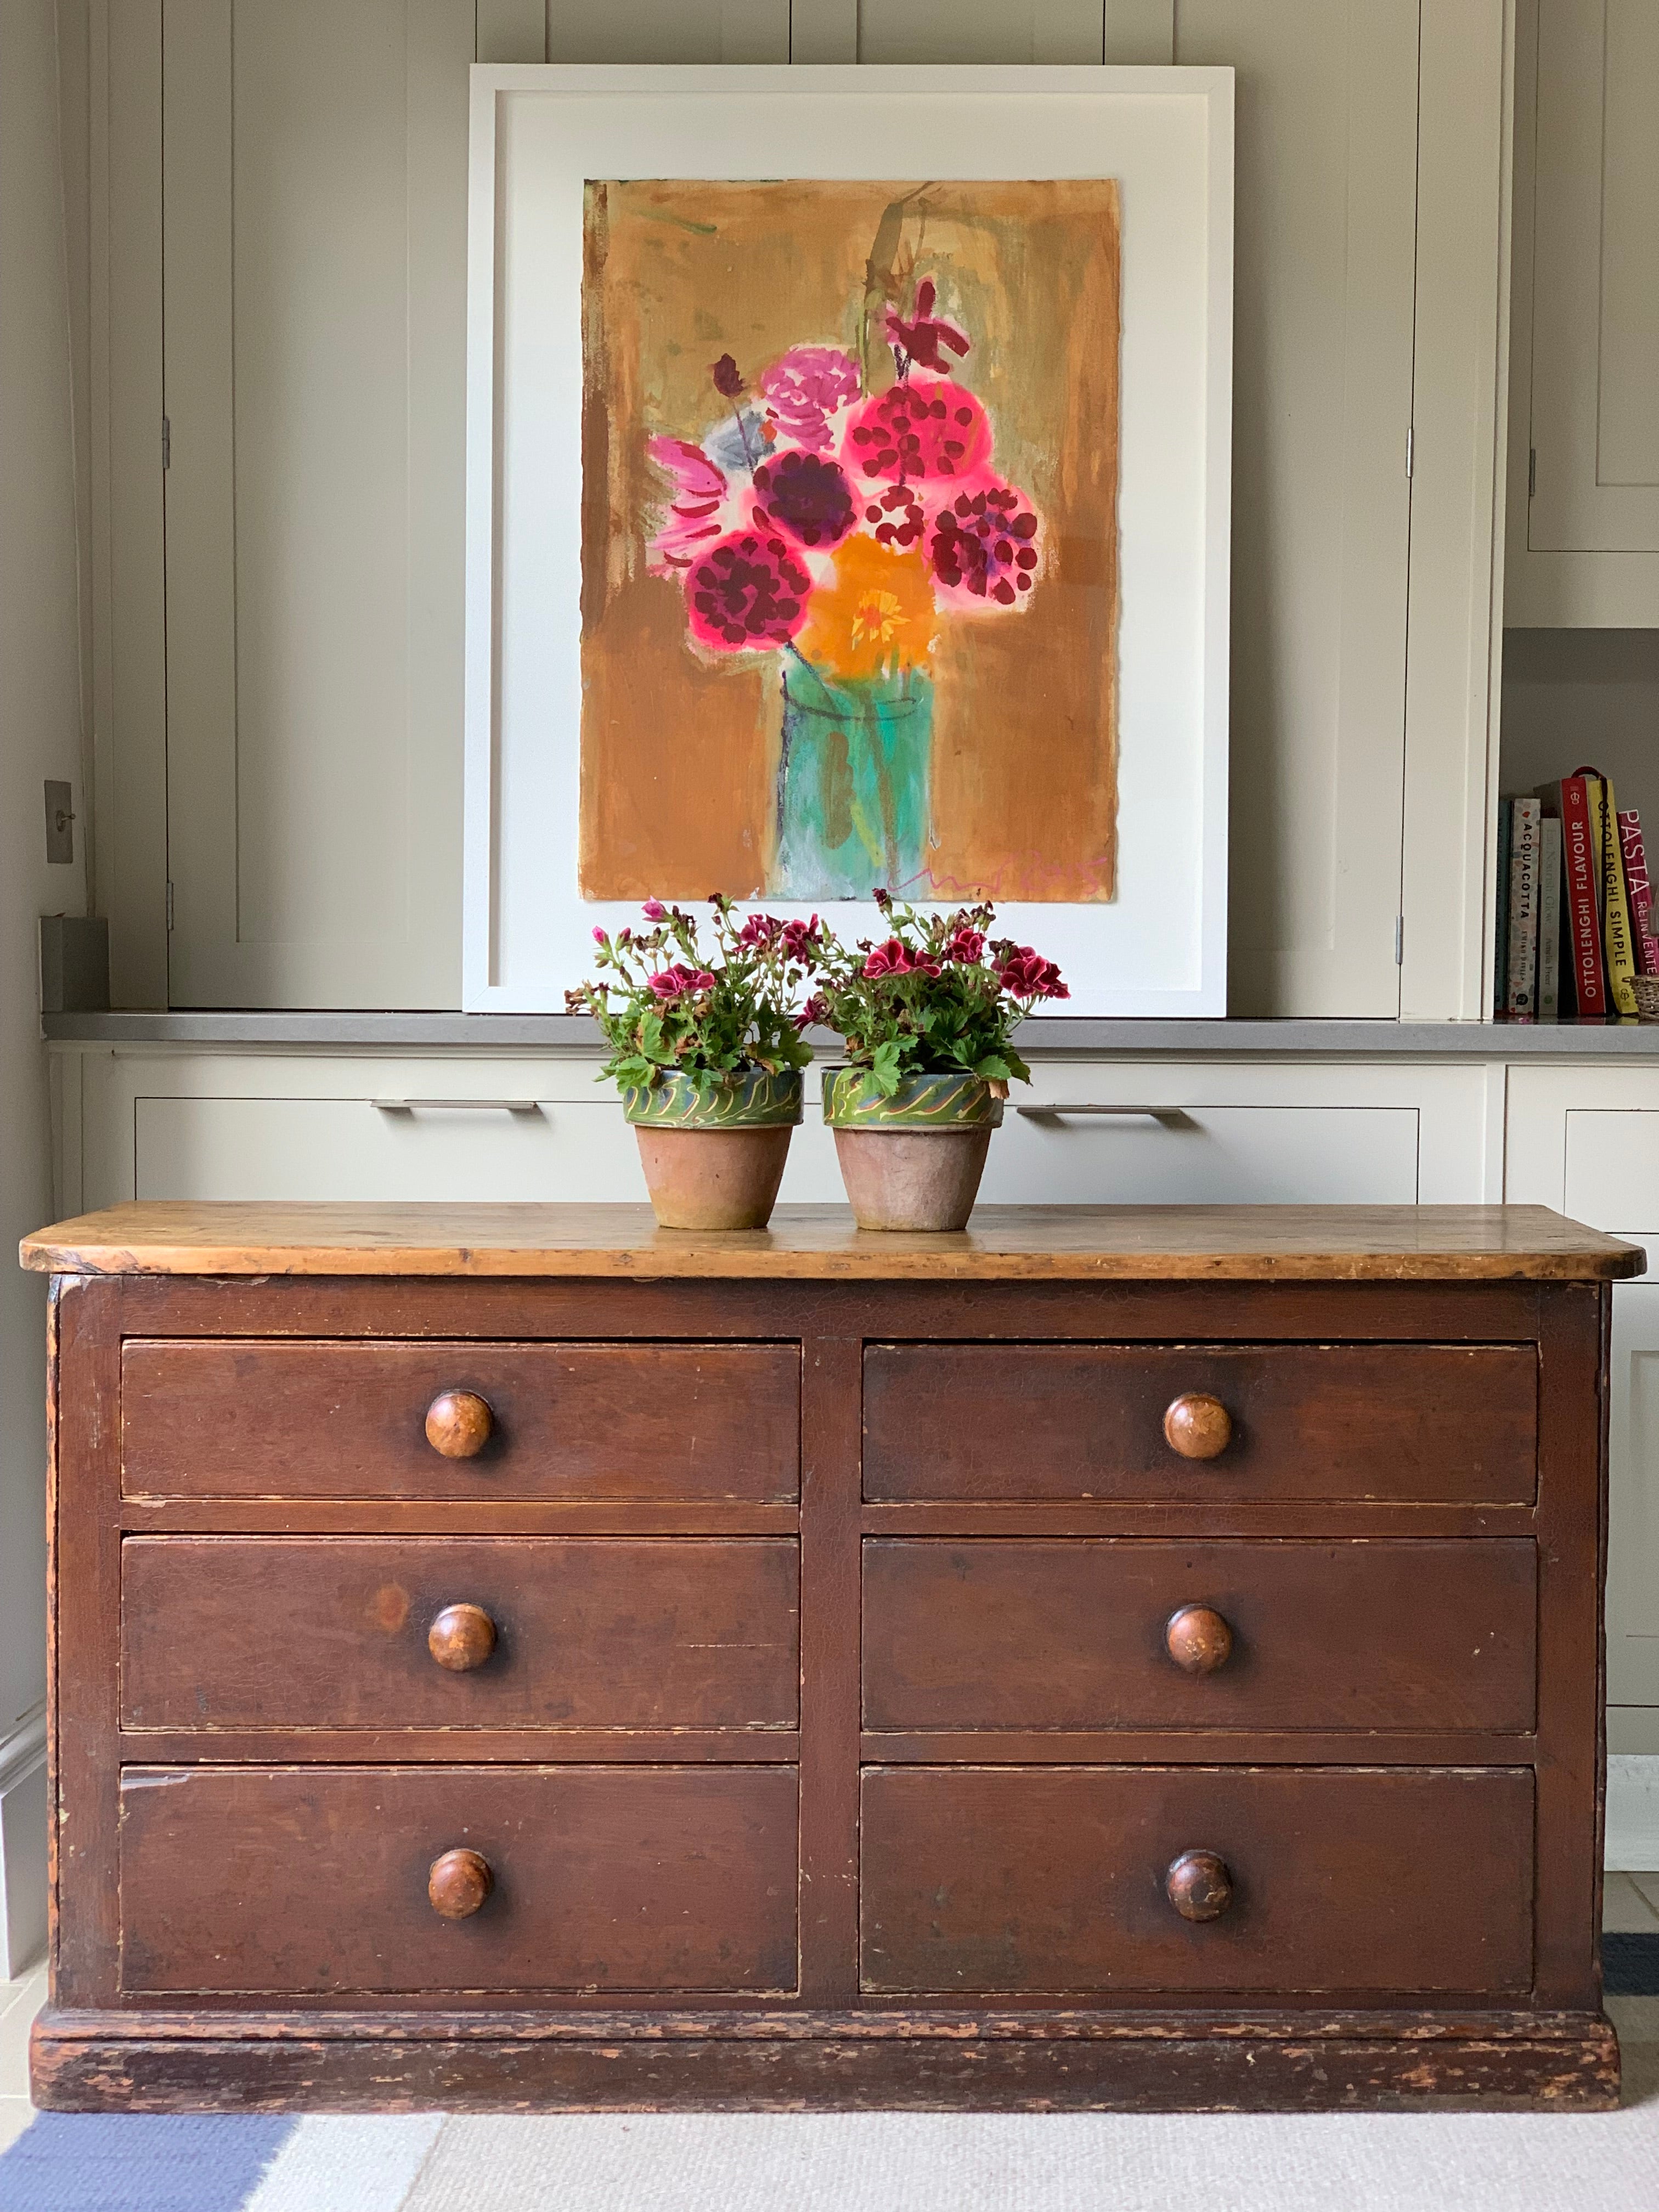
514 1657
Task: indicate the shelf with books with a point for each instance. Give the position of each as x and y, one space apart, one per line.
1574 924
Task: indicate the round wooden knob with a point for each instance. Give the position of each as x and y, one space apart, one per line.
1198 1639
1197 1426
461 1637
458 1883
459 1423
1198 1886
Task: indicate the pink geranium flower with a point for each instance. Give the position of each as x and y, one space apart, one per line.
966 946
1026 975
679 980
894 957
747 589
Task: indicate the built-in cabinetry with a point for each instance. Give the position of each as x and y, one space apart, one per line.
273 238
1583 503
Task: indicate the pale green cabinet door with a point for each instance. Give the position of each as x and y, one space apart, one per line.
315 244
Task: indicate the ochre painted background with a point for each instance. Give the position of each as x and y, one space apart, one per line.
678 752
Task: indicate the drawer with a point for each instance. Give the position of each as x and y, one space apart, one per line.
604 1879
1074 1635
1419 1423
1005 1879
239 1418
293 1632
1195 1155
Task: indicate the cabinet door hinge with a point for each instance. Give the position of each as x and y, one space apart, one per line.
1410 431
1400 940
167 443
170 906
1532 472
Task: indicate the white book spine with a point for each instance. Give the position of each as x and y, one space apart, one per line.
1522 999
1549 920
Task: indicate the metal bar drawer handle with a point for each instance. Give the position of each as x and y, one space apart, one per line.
1167 1117
456 1105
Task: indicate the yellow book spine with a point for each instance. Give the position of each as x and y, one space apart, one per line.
1615 904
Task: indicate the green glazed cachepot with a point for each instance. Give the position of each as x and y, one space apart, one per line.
914 1160
714 1159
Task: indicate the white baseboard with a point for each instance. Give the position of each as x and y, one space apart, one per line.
23 1844
1633 1841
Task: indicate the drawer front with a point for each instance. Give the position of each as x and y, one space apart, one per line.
247 1418
604 1879
1195 1155
292 1633
1076 1635
991 1880
1436 1423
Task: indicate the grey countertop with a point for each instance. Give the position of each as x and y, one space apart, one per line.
444 1032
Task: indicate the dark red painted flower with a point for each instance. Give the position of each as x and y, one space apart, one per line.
808 499
727 380
894 517
983 545
920 340
928 427
1026 975
749 590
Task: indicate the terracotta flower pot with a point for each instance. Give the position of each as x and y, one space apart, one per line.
913 1161
714 1160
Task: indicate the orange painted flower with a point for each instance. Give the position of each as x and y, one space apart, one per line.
876 617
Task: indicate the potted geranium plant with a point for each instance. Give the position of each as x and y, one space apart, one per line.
927 1018
707 1052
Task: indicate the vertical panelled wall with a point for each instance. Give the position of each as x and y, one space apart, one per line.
298 169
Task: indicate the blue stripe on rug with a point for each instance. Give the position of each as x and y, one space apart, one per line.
138 2162
1629 1966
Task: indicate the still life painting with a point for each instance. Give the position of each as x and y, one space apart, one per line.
849 545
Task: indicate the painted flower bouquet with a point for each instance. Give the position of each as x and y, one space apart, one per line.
927 1018
836 512
706 1043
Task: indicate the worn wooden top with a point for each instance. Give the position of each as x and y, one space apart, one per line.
1336 1244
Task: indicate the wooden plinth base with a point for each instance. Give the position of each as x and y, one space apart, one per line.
1054 2062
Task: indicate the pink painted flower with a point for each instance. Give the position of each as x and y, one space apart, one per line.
1026 975
749 590
805 389
984 545
693 518
808 499
679 981
927 427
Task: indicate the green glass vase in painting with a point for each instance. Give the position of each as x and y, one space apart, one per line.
855 766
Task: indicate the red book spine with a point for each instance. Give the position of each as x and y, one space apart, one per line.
1589 988
1631 844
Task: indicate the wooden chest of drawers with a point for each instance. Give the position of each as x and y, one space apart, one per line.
513 1657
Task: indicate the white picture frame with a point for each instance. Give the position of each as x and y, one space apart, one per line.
1159 948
